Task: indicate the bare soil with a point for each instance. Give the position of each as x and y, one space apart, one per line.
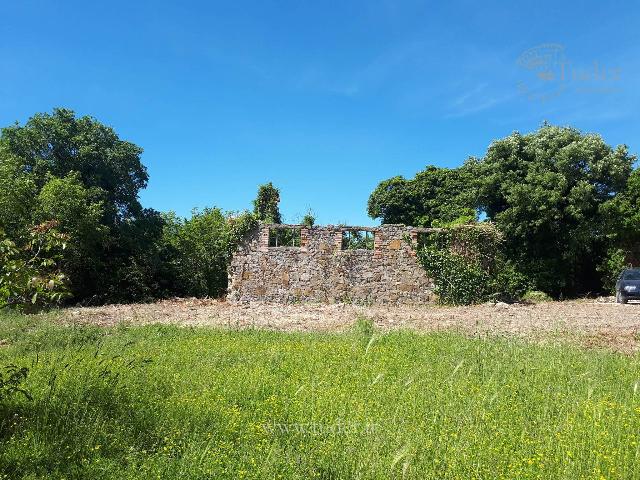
592 323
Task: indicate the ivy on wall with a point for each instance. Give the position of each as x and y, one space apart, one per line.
466 265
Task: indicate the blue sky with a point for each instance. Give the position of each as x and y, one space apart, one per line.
324 99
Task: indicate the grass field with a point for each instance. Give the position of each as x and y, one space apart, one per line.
171 402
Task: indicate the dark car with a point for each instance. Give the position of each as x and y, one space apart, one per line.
628 285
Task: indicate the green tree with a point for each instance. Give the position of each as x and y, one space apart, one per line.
138 261
265 206
60 143
78 213
79 173
623 215
546 192
17 196
623 226
202 248
434 196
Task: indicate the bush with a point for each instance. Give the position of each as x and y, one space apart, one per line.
506 282
458 281
202 247
10 381
30 277
309 219
467 267
536 296
610 268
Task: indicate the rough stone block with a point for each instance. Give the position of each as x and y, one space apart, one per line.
395 244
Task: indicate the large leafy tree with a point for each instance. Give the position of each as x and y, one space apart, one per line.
78 173
435 196
623 214
623 226
547 191
60 143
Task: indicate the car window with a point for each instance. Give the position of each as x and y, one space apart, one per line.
631 275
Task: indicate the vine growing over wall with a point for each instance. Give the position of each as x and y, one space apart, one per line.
466 265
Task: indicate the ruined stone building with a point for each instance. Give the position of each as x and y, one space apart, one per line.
288 263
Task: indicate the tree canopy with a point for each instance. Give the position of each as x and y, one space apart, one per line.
546 192
73 178
60 143
623 215
17 195
562 200
78 173
434 196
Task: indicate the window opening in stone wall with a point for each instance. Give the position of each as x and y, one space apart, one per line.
284 237
357 240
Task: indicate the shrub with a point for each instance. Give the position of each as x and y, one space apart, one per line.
10 380
466 266
265 206
30 277
457 280
309 219
506 282
536 296
613 263
202 247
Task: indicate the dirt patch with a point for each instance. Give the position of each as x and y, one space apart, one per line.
592 323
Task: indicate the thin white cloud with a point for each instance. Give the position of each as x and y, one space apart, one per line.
462 99
392 66
477 103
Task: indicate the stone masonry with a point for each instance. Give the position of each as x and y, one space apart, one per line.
320 270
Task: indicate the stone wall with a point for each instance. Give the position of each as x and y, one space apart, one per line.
320 270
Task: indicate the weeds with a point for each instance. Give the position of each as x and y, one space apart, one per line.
10 379
364 326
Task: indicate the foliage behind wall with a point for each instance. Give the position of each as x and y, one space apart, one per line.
565 202
77 174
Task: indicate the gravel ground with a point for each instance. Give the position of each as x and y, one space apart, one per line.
591 323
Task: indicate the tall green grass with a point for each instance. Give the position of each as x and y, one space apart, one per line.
168 402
